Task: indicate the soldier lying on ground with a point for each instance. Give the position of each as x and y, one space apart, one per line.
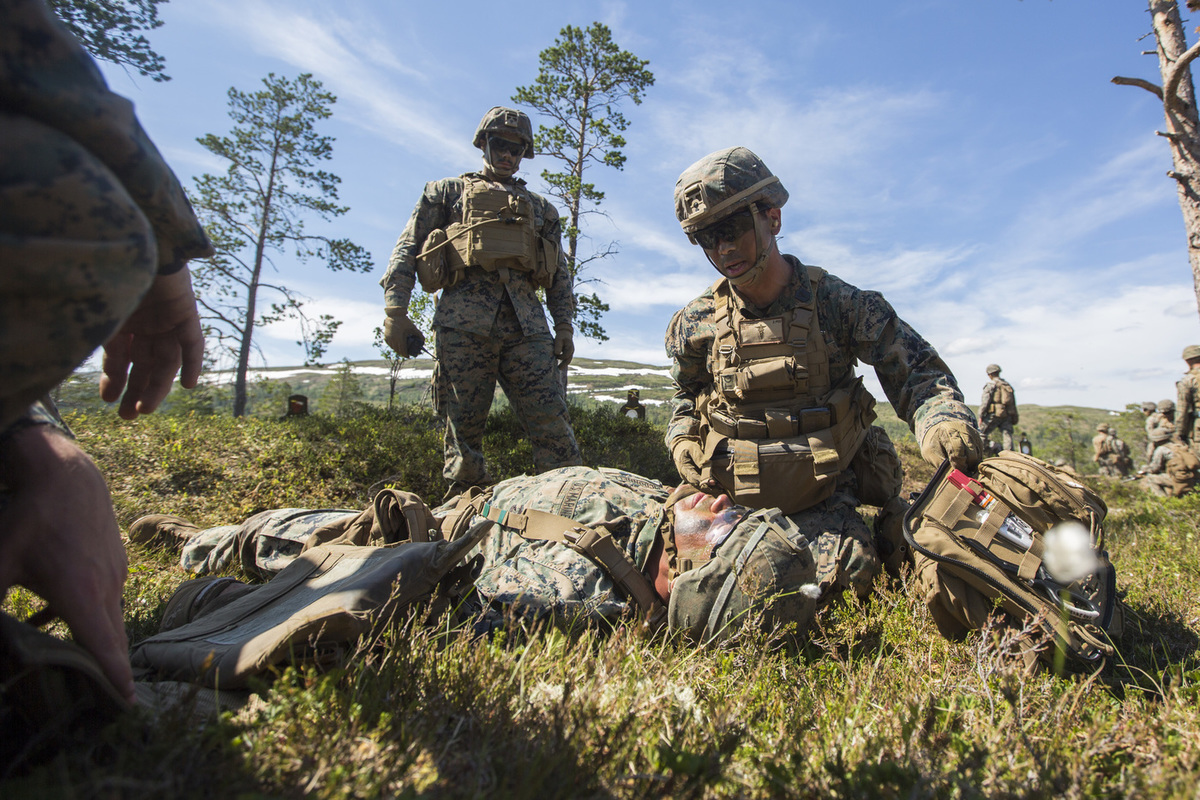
682 545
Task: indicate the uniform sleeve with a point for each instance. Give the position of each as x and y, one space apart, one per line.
47 76
431 212
986 400
687 344
560 297
1185 407
916 380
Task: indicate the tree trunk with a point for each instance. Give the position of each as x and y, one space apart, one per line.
1183 127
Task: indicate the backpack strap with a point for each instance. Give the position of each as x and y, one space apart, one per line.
597 545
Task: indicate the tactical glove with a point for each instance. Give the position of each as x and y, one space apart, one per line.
688 455
954 440
564 345
401 334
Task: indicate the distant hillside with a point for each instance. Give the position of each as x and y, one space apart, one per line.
1055 431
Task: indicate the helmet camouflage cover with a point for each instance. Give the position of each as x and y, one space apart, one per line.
763 571
1103 426
721 184
1148 407
1165 406
993 369
499 119
1191 351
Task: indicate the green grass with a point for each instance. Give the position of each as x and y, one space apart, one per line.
875 704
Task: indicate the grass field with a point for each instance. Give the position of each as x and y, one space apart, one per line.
875 704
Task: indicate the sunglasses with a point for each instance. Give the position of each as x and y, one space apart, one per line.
727 230
505 146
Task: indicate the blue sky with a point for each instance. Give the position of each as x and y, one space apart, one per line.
972 161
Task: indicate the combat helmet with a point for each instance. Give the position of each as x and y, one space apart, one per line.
1191 351
1166 406
1103 427
499 119
1148 407
763 571
724 183
993 369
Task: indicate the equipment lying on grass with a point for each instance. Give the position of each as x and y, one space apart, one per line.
317 606
1023 534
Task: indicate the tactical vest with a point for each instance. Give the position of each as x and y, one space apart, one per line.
496 233
776 432
1003 404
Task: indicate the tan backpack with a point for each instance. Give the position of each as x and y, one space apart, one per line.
317 606
1183 468
981 541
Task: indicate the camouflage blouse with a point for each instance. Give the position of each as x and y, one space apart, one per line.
548 578
471 304
858 326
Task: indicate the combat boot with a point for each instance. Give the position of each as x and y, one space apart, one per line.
162 530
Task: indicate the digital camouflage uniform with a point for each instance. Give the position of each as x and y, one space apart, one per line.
990 420
89 211
1187 409
1103 455
1155 420
486 331
1155 478
262 545
548 579
858 326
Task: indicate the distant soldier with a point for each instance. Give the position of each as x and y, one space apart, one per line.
1025 445
1150 412
1122 461
1172 470
998 407
1102 452
633 407
489 245
1187 429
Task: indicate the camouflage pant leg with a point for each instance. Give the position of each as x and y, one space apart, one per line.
1004 426
1158 485
466 382
843 547
264 544
77 256
529 377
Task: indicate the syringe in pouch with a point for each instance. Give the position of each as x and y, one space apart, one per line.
1014 529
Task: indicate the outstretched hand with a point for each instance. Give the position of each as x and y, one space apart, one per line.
144 355
59 539
955 441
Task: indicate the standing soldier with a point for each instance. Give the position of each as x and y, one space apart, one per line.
1150 412
998 408
488 244
1187 430
1102 452
767 405
1122 462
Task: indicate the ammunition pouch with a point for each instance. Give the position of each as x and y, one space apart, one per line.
789 460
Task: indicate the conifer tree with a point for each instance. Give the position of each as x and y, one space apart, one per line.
257 208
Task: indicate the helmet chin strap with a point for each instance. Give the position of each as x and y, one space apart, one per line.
762 242
487 161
